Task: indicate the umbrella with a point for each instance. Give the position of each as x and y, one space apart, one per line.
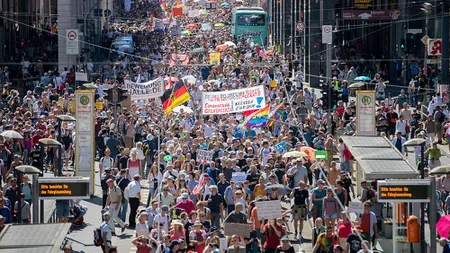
189 79
226 5
230 44
444 169
443 226
192 26
186 33
182 109
362 78
165 21
11 134
356 85
90 86
282 189
295 154
268 52
218 25
310 152
221 47
199 50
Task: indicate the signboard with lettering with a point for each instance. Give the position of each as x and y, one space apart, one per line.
239 229
64 188
365 113
417 190
362 4
370 14
269 209
84 150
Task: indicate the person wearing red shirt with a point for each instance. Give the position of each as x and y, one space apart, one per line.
272 230
186 204
36 137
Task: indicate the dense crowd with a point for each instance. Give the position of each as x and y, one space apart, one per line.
191 201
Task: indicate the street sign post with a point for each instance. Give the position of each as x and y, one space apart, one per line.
417 190
72 43
327 34
425 39
300 26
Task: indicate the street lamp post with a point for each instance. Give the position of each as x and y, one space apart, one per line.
414 143
22 170
427 9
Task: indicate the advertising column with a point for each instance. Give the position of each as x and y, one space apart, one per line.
84 149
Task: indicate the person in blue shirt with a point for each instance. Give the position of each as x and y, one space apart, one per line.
319 141
4 211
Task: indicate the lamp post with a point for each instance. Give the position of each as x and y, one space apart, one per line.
440 170
414 143
427 10
22 170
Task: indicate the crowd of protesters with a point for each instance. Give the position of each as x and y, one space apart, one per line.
191 201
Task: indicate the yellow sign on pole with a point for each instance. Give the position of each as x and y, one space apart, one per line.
273 84
214 58
85 133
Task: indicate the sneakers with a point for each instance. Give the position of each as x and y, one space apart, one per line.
122 229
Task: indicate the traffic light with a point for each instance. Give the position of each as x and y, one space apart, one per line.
108 93
324 86
402 44
121 94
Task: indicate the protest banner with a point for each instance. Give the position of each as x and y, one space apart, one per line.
214 58
206 27
269 209
355 207
238 177
177 11
233 101
144 91
204 156
193 13
239 229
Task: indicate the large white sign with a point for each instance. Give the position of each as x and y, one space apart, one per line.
327 34
144 91
238 177
72 43
84 151
365 113
269 209
204 156
233 101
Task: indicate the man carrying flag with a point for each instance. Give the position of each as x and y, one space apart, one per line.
175 96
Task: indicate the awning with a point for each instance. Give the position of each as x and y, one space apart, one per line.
379 159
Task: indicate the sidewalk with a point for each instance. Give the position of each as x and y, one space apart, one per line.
82 237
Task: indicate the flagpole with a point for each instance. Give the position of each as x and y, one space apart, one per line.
159 190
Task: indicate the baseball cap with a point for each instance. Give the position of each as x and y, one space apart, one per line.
165 208
320 181
185 195
110 180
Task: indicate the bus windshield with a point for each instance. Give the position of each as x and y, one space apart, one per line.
251 19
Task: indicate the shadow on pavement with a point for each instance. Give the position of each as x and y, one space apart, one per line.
95 200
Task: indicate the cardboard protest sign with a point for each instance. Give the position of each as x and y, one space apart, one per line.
269 209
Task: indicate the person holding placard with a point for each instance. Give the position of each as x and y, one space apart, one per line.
272 230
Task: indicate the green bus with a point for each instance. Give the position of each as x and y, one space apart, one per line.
250 21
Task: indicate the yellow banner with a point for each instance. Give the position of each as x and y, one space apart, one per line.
214 58
99 105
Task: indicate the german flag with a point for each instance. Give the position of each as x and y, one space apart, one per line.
175 96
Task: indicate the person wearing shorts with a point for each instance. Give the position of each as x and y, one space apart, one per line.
330 208
300 207
62 210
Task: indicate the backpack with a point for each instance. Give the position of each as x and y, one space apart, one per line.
441 118
146 148
98 238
